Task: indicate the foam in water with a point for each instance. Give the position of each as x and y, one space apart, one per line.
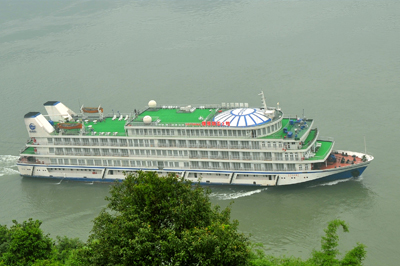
7 162
229 196
332 183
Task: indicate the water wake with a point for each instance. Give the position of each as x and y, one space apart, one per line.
7 163
236 195
332 183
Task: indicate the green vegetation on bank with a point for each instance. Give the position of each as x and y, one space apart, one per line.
152 220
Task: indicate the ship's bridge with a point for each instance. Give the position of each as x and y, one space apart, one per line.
244 117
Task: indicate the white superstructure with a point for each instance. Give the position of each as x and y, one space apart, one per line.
230 143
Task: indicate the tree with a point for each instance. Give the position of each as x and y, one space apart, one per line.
152 220
329 244
325 257
24 243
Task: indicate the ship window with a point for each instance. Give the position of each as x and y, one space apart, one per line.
49 140
269 129
291 166
51 150
300 167
230 133
176 164
53 161
234 133
264 131
97 162
306 167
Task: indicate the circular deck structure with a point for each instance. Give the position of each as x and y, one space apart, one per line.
243 117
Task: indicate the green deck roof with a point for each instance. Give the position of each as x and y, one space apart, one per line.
309 138
175 116
285 124
101 127
108 125
29 150
323 150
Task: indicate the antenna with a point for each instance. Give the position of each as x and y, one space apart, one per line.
263 100
365 146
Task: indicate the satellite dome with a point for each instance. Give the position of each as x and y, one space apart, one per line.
147 119
152 104
243 117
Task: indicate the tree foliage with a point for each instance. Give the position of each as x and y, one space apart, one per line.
329 243
154 220
24 243
326 257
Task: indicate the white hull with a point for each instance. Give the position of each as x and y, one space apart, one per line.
273 178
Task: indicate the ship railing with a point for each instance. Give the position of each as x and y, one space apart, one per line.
247 158
326 139
163 145
193 146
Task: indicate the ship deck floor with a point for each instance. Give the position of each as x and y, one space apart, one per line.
285 124
323 151
175 116
337 164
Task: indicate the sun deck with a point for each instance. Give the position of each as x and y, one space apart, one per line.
174 116
324 149
29 150
286 124
108 126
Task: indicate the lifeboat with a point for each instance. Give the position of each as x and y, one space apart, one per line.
92 109
70 125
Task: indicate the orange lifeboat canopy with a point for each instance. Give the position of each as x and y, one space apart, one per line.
92 109
70 125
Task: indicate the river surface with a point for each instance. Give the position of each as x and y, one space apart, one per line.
337 60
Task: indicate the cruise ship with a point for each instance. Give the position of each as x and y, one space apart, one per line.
227 143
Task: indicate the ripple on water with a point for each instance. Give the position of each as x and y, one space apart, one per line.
7 163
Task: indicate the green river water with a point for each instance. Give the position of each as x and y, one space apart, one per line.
337 60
